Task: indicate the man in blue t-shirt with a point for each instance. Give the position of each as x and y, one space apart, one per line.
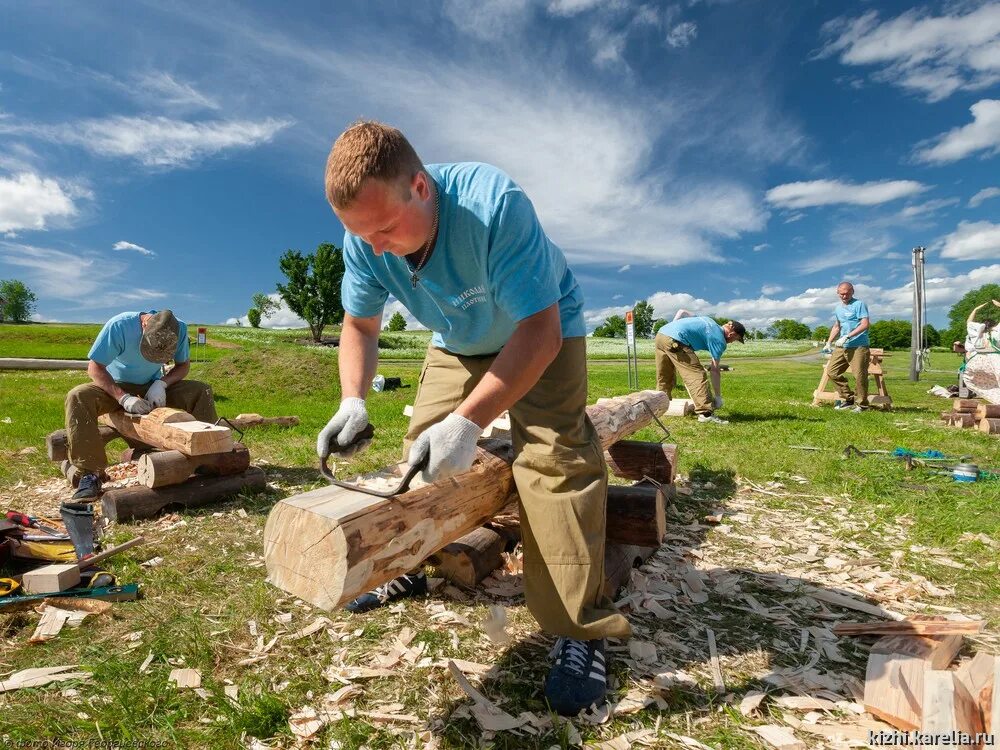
848 345
676 345
460 246
126 371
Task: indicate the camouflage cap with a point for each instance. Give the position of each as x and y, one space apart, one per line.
159 337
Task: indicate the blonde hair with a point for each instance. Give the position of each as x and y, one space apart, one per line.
368 150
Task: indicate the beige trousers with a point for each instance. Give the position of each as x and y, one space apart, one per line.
86 402
561 479
673 357
855 358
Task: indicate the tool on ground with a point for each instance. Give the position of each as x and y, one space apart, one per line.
27 521
98 579
850 450
78 518
965 473
91 561
126 593
8 586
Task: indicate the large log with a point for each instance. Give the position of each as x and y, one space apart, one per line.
470 559
57 443
637 460
990 426
329 545
137 503
636 515
987 410
163 468
172 429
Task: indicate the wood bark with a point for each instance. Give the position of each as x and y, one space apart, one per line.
332 544
963 419
968 405
636 515
636 460
163 468
470 559
984 411
136 503
57 443
619 560
172 429
990 426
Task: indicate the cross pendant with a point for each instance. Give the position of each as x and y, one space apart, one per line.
414 279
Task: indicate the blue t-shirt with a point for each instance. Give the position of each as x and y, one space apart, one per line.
700 332
117 348
491 267
850 316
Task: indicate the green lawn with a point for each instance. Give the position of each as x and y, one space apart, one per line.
197 605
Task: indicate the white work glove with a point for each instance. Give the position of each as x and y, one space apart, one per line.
718 402
157 394
350 419
841 341
452 446
827 348
135 405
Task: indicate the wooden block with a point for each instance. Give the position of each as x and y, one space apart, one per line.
470 559
51 578
976 674
990 425
910 627
636 515
637 459
984 411
894 679
680 407
172 429
948 707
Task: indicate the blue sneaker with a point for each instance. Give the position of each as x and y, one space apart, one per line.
579 678
397 588
89 487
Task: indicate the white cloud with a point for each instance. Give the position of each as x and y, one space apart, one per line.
973 240
682 34
624 268
982 134
762 246
393 306
29 202
830 192
932 56
123 245
156 141
55 273
571 7
487 19
768 289
792 218
983 195
928 207
164 90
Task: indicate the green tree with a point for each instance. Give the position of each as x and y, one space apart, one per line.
932 336
313 288
253 315
642 318
959 312
611 328
790 330
821 333
17 301
658 324
265 305
397 322
890 334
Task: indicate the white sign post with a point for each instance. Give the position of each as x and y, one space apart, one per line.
630 351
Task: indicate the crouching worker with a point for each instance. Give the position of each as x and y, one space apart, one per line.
126 372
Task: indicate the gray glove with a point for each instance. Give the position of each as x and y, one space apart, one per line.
451 444
350 419
135 405
827 348
157 394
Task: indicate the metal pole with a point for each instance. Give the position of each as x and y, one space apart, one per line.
917 320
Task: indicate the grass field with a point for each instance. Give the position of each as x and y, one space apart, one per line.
197 605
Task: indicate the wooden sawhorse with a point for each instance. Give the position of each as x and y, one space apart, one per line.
880 400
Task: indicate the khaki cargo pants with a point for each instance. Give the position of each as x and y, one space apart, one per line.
86 402
561 479
673 357
855 358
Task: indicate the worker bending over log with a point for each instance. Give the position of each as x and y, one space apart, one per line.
126 372
677 344
848 343
460 246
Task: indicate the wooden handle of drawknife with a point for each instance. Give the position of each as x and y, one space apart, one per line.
99 558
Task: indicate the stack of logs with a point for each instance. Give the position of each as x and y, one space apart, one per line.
970 412
181 462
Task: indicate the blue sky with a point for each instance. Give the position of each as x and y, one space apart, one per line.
738 157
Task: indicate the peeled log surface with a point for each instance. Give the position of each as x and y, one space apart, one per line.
636 460
57 443
329 545
990 426
172 429
137 503
164 468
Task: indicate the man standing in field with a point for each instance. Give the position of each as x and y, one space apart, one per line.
676 345
461 247
848 342
126 371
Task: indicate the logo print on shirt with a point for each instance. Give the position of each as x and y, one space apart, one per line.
471 296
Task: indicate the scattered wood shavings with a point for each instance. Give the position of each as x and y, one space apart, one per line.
38 676
185 678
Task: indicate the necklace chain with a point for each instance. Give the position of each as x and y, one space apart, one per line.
414 278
